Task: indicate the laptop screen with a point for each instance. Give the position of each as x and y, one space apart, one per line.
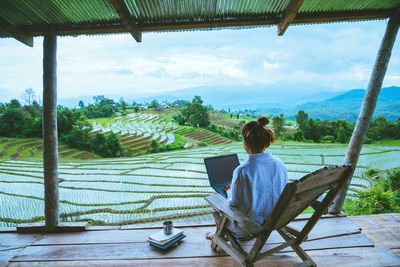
220 169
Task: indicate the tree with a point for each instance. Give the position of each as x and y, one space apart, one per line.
123 105
14 103
12 122
398 128
112 145
195 113
81 104
154 147
136 108
278 123
197 100
97 99
298 135
179 119
154 103
28 95
301 119
2 108
341 136
98 143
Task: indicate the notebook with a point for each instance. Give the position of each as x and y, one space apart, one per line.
168 244
161 238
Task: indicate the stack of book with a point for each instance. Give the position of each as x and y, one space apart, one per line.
163 241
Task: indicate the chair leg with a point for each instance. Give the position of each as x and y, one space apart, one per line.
235 243
220 223
307 261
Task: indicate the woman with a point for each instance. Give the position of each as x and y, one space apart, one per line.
259 181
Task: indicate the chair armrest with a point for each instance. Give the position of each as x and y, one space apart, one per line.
317 204
221 204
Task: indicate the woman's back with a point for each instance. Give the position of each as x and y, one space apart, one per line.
257 185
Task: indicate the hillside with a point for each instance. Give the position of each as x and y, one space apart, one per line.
322 105
347 105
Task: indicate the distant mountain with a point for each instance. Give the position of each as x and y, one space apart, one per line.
347 105
242 97
283 99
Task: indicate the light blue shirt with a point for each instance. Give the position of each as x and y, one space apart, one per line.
256 186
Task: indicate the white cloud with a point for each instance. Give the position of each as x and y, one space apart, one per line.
336 56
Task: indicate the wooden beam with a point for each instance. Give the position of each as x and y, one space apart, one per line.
126 19
62 227
50 136
369 104
16 33
289 15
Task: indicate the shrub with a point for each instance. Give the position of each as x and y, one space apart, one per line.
202 144
298 135
393 179
328 139
372 172
374 200
154 147
367 140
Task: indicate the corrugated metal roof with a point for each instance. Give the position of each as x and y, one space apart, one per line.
99 16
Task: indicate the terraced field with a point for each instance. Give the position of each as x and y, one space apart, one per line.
155 187
15 148
203 136
137 130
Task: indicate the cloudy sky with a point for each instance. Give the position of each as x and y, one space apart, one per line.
329 57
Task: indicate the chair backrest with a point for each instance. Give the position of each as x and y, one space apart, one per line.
300 194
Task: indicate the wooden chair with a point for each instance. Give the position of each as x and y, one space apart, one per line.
295 198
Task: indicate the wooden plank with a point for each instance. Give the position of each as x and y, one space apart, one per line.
16 33
189 247
97 237
389 238
385 220
158 225
329 228
396 251
353 257
289 15
382 229
60 228
7 253
126 19
346 241
103 228
324 228
307 216
14 239
8 229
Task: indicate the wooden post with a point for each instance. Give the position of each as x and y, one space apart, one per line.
50 136
368 105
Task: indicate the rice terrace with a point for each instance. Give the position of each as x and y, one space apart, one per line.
153 187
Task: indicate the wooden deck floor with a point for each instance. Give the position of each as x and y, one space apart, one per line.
333 242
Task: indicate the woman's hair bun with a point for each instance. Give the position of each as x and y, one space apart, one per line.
263 120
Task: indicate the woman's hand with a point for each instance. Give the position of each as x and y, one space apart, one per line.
226 187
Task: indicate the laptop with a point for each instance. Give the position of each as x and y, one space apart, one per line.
220 170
